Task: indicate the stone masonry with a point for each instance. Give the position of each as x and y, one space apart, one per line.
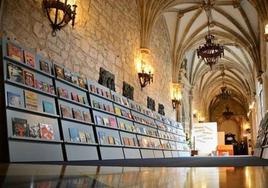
106 34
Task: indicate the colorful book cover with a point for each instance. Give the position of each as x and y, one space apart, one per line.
38 84
77 114
122 125
15 52
111 140
46 131
67 75
87 117
74 137
48 107
125 141
31 100
112 122
34 131
28 78
81 82
45 87
89 138
44 66
99 120
106 121
29 58
74 79
63 92
93 89
20 127
59 71
66 111
117 111
82 137
102 137
81 99
74 97
15 73
117 141
13 99
131 141
51 89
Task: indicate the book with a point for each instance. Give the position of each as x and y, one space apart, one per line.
125 141
93 89
87 117
20 127
63 92
59 71
66 111
13 99
131 141
106 121
51 89
44 66
74 79
81 82
28 78
48 107
67 75
46 131
15 52
81 99
112 122
31 100
38 84
74 97
99 120
111 140
122 125
45 87
82 137
89 138
117 111
74 137
77 114
29 58
96 104
117 141
102 137
34 131
15 73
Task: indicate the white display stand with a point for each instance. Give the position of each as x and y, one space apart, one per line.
205 137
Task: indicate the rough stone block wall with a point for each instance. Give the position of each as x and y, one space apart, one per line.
106 34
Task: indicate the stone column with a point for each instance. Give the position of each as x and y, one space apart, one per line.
190 112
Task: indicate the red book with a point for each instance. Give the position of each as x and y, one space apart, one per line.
112 122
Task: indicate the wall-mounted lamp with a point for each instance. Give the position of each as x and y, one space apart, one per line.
176 95
144 69
266 32
59 13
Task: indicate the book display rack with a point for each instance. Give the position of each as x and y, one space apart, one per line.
53 114
261 148
32 129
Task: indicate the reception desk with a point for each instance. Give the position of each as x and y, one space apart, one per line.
223 150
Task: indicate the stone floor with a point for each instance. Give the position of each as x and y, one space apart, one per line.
49 176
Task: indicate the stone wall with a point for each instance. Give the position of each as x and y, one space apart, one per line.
106 34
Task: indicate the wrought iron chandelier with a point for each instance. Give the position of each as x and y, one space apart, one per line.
210 52
225 92
227 113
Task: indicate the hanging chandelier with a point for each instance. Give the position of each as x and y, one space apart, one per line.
210 52
225 93
227 113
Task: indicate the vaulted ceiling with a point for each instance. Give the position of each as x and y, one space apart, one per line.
235 25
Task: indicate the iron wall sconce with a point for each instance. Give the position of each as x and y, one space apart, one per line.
175 103
144 69
59 13
266 32
145 78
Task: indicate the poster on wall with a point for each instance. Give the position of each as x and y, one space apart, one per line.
205 138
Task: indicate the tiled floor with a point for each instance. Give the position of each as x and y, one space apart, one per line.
48 176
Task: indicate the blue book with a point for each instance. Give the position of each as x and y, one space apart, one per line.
48 107
74 136
13 99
